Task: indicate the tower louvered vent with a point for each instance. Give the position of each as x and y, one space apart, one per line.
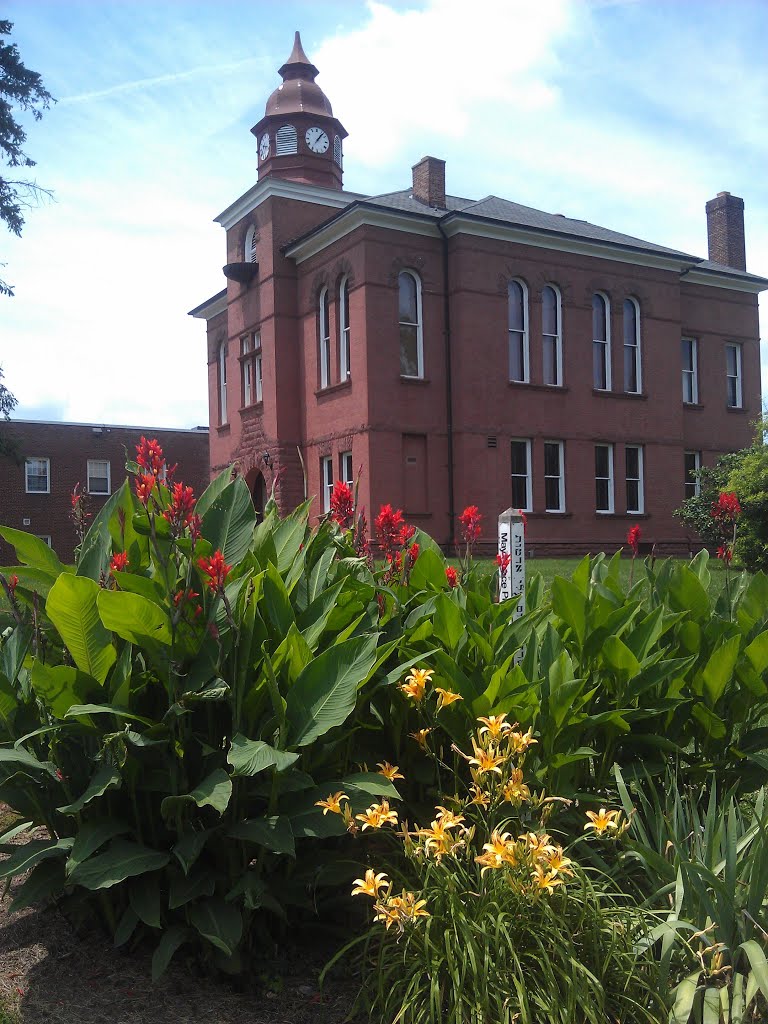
491 441
286 141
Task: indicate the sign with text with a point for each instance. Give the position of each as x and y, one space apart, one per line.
512 559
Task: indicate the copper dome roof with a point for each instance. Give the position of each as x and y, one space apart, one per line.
299 93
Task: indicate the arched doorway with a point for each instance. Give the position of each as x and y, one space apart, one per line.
259 495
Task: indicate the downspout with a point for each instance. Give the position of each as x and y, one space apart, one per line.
448 391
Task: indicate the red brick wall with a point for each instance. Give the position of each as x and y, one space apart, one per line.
69 446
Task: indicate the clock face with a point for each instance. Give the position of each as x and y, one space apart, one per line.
264 147
317 140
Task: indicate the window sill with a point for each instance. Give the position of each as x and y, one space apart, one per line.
622 515
417 515
633 396
736 408
38 492
414 380
251 410
547 515
529 386
332 389
693 406
224 428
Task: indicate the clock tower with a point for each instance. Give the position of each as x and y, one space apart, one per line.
298 137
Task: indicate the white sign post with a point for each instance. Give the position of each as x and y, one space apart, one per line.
512 569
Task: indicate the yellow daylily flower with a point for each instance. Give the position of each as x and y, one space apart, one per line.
486 760
479 797
539 843
559 863
519 742
446 697
378 815
544 879
421 737
415 685
495 726
603 821
333 803
448 818
389 771
371 884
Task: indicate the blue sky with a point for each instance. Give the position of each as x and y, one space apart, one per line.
627 114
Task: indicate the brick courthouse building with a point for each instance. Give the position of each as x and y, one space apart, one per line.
464 351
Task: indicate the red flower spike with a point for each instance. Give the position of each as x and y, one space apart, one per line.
503 560
724 552
342 504
181 509
216 569
119 562
452 576
149 456
13 582
470 520
144 485
195 528
389 524
633 539
413 554
726 510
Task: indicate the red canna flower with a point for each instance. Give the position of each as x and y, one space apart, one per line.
452 576
413 554
503 560
119 562
187 597
13 582
725 553
470 520
633 539
149 456
216 569
524 517
181 509
342 504
726 510
144 485
195 528
389 523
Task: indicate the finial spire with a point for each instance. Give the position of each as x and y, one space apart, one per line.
298 64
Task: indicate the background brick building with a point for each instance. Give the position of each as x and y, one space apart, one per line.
459 351
54 457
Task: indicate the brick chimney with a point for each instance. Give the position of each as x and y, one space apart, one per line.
725 230
429 182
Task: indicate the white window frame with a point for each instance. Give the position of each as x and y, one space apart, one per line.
640 480
103 462
528 507
693 373
637 347
610 478
560 477
37 490
326 475
324 340
222 369
345 351
526 379
738 378
258 368
45 537
250 253
347 469
286 141
419 327
558 337
695 482
246 352
606 345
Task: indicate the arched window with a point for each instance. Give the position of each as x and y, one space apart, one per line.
324 339
286 141
344 337
517 296
633 382
251 243
337 156
601 342
222 369
551 335
411 342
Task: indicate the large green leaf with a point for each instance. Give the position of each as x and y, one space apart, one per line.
72 608
719 669
91 836
571 605
228 523
17 759
32 551
173 937
185 888
62 686
325 693
105 778
96 549
123 859
273 832
249 757
133 617
219 922
214 791
31 853
145 900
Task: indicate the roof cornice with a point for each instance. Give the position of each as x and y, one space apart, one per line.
280 187
712 279
357 215
211 307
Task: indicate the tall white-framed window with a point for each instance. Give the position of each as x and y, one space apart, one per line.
604 478
689 358
601 342
517 326
552 335
344 337
286 141
324 338
554 476
633 377
326 474
347 470
222 369
99 476
337 151
691 467
522 487
633 464
411 327
250 253
45 537
258 373
246 370
37 473
734 387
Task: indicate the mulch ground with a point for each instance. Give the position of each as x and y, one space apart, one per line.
49 974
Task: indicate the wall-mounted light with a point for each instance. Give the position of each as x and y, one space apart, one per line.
267 458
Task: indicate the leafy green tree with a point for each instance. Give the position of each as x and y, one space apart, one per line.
696 512
748 477
8 403
20 89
